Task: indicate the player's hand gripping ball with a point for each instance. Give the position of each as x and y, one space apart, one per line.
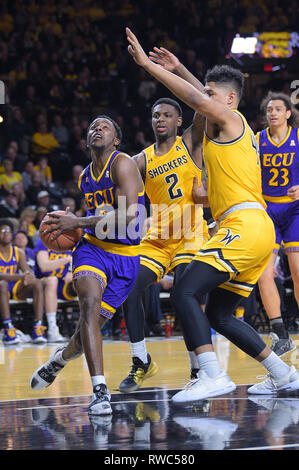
64 242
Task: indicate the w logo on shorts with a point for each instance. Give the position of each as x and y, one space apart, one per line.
229 237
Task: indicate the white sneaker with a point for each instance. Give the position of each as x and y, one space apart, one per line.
205 387
47 373
269 386
100 402
54 336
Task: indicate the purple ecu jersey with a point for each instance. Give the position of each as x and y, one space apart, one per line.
53 255
10 265
109 254
280 172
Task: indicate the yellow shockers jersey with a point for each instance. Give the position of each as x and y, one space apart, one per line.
234 171
168 184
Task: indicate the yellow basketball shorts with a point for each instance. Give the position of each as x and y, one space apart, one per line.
242 247
162 256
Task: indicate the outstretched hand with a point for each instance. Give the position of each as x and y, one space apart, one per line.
136 50
164 58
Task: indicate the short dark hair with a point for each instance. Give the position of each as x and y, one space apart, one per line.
294 118
170 101
118 131
226 75
8 223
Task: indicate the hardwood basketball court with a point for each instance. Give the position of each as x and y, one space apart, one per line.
57 417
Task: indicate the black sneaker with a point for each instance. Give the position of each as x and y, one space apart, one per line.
139 372
47 373
100 402
281 346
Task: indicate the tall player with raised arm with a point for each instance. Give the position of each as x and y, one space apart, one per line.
231 262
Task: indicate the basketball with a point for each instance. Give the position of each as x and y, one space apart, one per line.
65 241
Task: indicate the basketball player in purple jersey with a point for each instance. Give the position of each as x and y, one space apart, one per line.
106 260
279 155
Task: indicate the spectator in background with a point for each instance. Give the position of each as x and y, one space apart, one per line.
22 241
32 104
70 203
43 141
60 132
43 200
27 174
13 154
147 88
72 185
9 206
20 130
41 212
43 167
18 190
140 142
35 187
80 154
28 216
75 136
9 177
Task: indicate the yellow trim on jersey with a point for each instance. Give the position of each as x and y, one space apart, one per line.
190 156
237 289
258 138
284 140
9 256
108 307
234 141
64 290
278 199
17 254
86 267
14 291
114 248
80 179
102 172
276 246
291 244
154 266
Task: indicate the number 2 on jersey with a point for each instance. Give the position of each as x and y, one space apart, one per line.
173 180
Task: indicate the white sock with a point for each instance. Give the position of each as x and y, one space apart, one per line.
193 360
139 350
275 366
51 319
58 358
97 380
209 363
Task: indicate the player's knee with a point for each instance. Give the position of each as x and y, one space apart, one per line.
51 283
89 305
178 296
37 286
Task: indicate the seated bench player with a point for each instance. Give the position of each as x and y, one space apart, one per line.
18 282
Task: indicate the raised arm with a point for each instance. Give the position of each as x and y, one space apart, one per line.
216 112
170 62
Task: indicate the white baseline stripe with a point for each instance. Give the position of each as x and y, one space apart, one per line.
268 447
